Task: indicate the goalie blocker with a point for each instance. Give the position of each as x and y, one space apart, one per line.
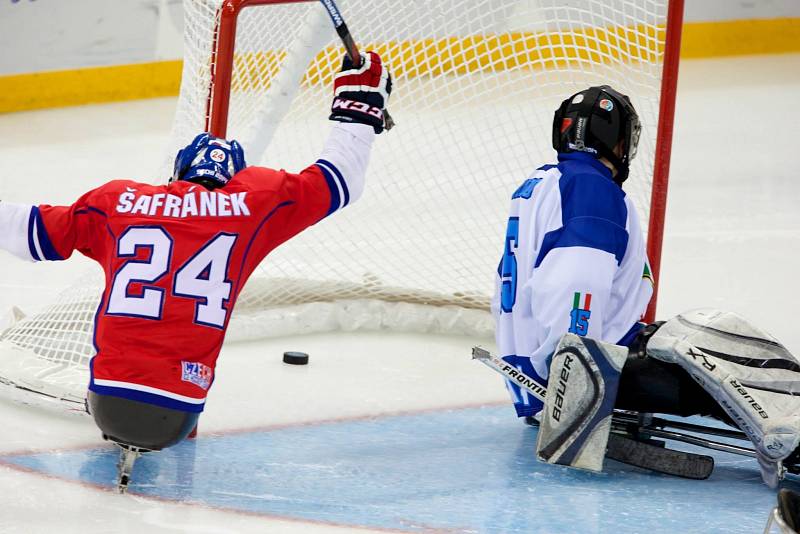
576 419
578 402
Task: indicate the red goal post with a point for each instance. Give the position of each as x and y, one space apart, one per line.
666 121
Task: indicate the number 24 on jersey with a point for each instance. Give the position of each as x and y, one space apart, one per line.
203 277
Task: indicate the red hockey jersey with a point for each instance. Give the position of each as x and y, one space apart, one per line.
176 257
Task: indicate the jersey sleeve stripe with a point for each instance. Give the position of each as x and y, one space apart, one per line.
38 240
342 181
147 394
33 245
333 185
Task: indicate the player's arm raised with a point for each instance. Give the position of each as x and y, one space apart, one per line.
359 103
337 178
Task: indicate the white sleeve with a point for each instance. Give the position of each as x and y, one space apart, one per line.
344 159
571 290
15 221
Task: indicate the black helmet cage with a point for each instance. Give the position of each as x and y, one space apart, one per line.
583 125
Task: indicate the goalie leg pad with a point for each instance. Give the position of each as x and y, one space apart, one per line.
576 420
752 376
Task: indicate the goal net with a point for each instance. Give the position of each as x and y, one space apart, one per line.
476 83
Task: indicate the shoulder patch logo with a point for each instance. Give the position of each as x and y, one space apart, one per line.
580 316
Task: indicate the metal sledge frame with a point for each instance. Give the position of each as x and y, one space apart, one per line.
647 425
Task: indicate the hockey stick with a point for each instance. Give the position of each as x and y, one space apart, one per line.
536 388
654 456
351 47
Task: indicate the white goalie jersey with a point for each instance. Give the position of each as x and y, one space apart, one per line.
574 261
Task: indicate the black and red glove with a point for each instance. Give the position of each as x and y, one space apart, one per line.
360 94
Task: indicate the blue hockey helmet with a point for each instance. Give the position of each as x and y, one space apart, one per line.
209 160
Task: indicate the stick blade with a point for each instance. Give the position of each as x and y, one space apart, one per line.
479 353
659 459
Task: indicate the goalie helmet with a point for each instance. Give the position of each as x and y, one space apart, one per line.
595 120
209 161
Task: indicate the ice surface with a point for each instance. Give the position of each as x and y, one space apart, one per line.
452 470
402 432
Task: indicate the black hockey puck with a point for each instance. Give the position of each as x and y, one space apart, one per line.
295 358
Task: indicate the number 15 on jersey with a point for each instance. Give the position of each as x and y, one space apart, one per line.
508 267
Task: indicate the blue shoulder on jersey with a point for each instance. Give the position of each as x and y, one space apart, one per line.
593 209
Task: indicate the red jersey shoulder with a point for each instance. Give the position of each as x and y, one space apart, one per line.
258 179
106 197
271 186
59 230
